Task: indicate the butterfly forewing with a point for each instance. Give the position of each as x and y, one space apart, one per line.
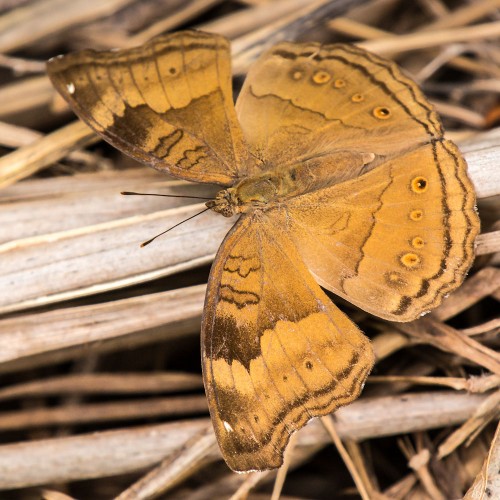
168 103
276 351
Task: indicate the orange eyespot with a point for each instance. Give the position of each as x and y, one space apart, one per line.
417 242
297 75
410 260
357 98
419 185
416 215
394 279
382 113
339 83
321 77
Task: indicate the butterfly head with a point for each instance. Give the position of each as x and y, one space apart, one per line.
225 203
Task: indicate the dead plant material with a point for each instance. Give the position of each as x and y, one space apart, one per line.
101 394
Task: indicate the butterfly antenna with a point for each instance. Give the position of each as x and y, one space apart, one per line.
173 227
133 193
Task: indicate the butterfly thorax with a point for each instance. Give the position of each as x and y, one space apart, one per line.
258 192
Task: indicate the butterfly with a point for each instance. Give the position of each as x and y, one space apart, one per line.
336 170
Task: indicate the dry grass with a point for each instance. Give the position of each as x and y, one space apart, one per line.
101 393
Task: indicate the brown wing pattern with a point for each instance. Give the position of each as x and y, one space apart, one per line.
396 240
167 103
381 211
320 99
276 351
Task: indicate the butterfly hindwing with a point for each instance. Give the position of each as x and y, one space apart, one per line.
396 240
321 99
363 136
276 351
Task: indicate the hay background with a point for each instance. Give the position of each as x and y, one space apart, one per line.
100 388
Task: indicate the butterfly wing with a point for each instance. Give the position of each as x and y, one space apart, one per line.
276 352
320 100
168 103
396 240
389 220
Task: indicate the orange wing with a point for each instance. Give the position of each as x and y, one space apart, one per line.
396 240
308 103
168 103
276 351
